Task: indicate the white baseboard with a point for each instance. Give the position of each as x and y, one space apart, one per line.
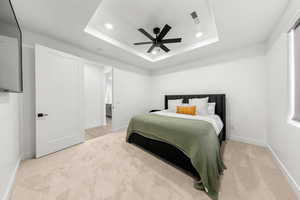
10 185
247 140
286 173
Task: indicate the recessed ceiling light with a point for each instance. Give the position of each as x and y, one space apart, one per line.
109 26
199 34
154 52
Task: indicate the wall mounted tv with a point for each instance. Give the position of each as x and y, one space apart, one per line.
10 49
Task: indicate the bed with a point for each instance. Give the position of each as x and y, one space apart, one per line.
178 153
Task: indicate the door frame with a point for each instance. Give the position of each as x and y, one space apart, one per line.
112 97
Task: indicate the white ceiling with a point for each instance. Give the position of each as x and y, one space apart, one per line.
6 15
126 17
240 23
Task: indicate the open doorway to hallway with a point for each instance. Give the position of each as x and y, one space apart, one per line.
108 73
104 83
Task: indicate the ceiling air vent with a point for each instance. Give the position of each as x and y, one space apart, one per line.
195 17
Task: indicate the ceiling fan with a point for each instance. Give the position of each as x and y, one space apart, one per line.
158 41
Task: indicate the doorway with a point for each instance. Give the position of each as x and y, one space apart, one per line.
104 83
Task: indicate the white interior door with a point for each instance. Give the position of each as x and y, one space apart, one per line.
59 100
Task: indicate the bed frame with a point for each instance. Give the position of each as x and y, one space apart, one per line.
171 154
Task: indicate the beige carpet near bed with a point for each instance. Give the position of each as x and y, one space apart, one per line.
107 168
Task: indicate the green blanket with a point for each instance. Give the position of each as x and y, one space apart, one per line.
196 139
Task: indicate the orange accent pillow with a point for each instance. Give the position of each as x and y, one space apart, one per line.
188 110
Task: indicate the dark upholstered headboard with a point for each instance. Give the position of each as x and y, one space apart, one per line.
219 99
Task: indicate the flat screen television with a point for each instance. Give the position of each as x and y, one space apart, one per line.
10 49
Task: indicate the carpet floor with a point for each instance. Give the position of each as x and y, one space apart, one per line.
93 133
108 168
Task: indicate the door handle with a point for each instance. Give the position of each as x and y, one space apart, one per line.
42 115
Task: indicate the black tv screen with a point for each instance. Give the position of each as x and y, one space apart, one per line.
10 50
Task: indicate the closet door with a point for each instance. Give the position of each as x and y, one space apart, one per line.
59 100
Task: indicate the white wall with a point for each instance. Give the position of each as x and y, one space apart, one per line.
131 92
242 80
28 137
10 107
94 95
283 138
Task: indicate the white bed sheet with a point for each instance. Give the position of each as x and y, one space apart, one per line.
214 120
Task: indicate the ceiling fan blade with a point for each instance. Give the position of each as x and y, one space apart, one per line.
146 34
166 49
151 48
140 43
173 40
164 32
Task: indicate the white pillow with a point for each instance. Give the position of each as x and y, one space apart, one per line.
211 108
172 104
201 105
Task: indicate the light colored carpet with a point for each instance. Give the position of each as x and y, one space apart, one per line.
107 168
93 133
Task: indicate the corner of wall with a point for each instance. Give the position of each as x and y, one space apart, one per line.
290 179
288 18
10 185
286 21
248 140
